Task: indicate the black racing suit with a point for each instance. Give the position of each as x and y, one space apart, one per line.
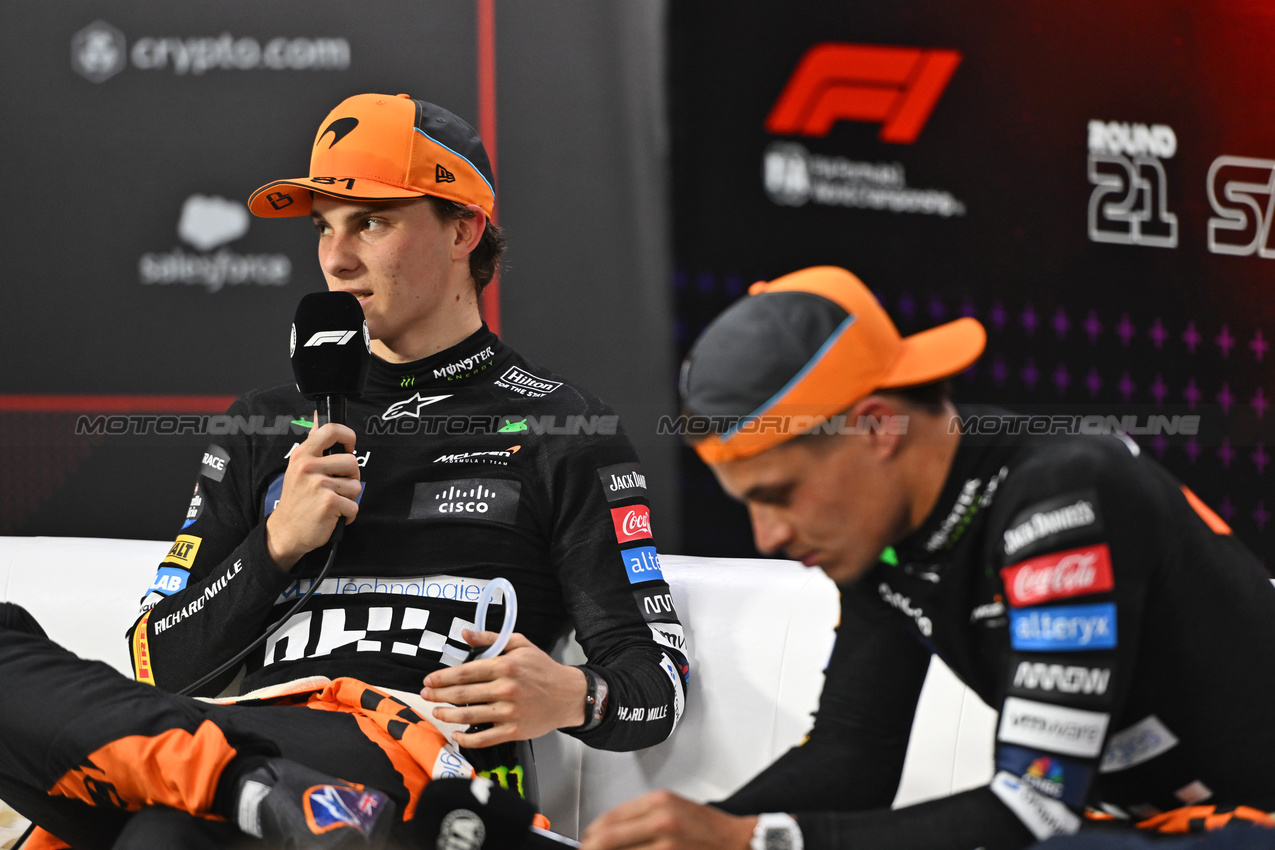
475 464
1127 640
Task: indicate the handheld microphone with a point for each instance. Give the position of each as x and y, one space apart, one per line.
477 814
331 351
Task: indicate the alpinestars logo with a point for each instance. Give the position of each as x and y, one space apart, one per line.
208 222
411 406
897 87
1128 205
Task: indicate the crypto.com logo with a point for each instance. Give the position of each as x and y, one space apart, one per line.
896 87
98 52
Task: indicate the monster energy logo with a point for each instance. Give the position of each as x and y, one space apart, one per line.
500 775
408 381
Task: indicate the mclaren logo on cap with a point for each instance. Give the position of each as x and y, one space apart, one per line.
340 128
442 175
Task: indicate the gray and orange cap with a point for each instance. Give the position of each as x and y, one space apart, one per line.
801 349
381 147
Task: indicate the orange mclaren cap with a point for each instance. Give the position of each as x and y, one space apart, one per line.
800 349
380 147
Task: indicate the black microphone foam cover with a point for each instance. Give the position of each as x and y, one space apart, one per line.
471 814
330 347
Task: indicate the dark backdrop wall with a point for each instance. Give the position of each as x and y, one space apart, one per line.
1092 180
138 284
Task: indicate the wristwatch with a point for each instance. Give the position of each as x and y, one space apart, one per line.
595 700
776 832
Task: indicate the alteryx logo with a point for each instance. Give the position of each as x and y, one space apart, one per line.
642 564
1063 628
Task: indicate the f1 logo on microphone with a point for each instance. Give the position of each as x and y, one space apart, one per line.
337 337
897 87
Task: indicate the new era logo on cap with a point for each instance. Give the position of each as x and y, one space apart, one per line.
442 175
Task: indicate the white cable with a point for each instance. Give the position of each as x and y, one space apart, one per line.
511 615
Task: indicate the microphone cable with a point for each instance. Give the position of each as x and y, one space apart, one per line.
333 541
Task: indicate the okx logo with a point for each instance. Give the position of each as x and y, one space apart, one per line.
1128 205
896 87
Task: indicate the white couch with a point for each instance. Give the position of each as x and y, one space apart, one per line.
755 677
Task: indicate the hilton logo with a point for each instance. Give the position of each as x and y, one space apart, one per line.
524 383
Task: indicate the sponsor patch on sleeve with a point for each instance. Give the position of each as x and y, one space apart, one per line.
1052 775
1059 575
216 459
670 635
183 552
1053 520
1039 725
656 605
622 481
631 523
642 564
1141 742
1063 628
1043 816
141 652
169 580
670 669
1080 680
195 510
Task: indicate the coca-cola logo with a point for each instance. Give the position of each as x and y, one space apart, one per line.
1059 575
631 523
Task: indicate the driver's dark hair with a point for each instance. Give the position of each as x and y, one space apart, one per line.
485 259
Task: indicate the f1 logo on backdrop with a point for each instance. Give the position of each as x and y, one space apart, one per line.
1126 167
1244 206
896 87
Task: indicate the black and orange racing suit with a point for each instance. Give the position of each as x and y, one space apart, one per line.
1126 638
475 464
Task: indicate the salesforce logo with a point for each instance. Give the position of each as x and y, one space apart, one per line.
207 223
